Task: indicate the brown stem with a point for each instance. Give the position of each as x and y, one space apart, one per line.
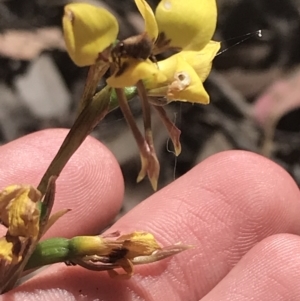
92 113
154 167
173 131
146 112
140 140
129 117
95 74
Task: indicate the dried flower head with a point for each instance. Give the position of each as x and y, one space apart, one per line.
108 252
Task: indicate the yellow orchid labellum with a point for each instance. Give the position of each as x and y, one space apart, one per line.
188 24
88 30
135 70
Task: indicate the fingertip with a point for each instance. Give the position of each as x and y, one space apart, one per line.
269 271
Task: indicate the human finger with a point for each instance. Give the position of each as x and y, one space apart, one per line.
269 271
224 206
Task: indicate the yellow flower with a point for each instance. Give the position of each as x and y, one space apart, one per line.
185 73
88 31
188 24
184 25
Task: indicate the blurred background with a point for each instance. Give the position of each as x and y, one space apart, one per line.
254 86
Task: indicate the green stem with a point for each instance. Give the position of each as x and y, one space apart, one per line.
49 251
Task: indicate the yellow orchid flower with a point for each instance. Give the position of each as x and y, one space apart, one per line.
185 25
188 24
88 31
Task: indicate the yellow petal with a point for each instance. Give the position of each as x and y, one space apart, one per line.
201 61
190 24
88 30
149 18
134 71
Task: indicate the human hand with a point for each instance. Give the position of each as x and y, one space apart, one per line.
239 210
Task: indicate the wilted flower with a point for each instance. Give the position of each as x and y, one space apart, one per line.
25 214
105 252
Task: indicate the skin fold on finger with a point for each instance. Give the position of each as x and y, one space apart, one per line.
224 206
270 271
90 182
